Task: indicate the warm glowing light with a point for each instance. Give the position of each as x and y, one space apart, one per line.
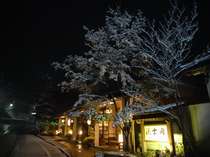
72 121
70 132
111 102
156 133
80 132
89 122
79 146
178 138
106 123
62 120
58 132
120 138
108 111
69 122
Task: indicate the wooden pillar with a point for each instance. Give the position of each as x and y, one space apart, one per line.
133 135
144 149
96 134
171 137
74 135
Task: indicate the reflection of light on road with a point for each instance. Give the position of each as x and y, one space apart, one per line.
79 146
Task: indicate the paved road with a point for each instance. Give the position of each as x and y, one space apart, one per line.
70 148
32 146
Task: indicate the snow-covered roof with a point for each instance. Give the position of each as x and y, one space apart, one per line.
201 59
158 109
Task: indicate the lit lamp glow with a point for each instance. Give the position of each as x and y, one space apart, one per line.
106 123
33 113
120 140
80 132
79 146
62 120
69 122
108 111
70 132
111 102
89 122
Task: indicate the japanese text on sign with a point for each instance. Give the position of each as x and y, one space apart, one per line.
156 133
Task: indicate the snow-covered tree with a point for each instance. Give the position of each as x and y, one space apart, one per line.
166 47
109 58
133 57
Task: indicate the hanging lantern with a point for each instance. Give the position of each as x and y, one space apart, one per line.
89 122
80 132
69 122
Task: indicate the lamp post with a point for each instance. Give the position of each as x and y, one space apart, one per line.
34 115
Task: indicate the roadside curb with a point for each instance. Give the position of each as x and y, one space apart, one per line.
99 151
58 147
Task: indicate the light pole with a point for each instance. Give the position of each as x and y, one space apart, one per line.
34 114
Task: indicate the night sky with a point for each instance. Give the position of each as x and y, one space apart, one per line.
36 32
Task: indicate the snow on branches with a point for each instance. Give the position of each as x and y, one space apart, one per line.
109 57
133 55
167 44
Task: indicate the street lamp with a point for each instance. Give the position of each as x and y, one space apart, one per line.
33 113
11 105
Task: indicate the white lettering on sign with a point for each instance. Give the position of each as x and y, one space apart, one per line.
156 133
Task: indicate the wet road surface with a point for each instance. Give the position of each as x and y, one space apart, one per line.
32 146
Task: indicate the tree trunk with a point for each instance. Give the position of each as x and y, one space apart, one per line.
183 124
188 140
126 133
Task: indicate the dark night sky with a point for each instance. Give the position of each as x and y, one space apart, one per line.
37 32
